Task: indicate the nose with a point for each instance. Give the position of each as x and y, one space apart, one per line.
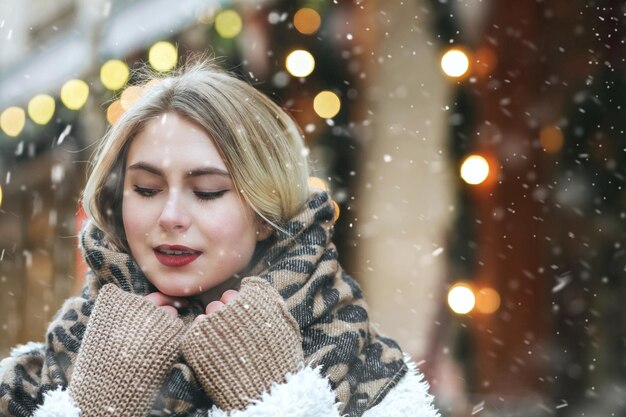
174 215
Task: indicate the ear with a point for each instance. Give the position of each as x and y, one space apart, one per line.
263 230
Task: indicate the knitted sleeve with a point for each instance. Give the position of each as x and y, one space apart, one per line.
240 350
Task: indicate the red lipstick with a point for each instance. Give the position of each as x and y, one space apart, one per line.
176 255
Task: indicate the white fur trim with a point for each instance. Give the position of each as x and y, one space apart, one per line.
305 394
409 398
57 403
28 347
15 352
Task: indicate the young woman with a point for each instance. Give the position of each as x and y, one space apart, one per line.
214 287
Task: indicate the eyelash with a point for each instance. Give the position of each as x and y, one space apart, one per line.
202 196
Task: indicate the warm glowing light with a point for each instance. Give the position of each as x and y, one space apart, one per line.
74 94
315 182
228 24
551 138
12 121
326 104
300 63
455 63
461 299
130 96
336 211
163 56
487 300
307 21
475 169
41 108
114 74
0 195
114 111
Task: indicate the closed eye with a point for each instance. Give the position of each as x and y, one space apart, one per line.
210 195
146 192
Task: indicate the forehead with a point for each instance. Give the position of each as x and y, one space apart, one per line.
172 140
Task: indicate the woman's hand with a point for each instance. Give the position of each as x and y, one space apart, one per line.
213 306
166 303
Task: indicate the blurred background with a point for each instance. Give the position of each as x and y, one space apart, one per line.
473 147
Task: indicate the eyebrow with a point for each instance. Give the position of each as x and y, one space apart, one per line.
198 172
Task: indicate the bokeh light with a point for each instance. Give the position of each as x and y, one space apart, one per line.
315 182
307 21
130 96
455 63
487 300
41 108
12 121
228 24
326 104
163 56
114 111
0 195
474 169
300 63
461 298
551 138
336 211
74 94
114 74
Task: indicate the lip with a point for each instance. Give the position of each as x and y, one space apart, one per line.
176 261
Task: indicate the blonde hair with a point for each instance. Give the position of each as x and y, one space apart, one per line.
259 142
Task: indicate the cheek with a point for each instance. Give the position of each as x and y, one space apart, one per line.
134 218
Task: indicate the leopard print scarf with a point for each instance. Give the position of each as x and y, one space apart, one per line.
300 262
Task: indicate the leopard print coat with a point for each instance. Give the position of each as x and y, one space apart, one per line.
301 263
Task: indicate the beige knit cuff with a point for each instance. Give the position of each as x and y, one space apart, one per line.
238 351
128 348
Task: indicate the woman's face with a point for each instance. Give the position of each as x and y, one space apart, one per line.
186 225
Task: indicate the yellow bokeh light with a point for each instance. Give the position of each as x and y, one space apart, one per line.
228 24
487 300
114 74
326 104
41 108
12 121
336 211
300 63
74 94
315 182
163 56
461 299
475 169
130 96
307 21
114 112
0 195
551 138
455 63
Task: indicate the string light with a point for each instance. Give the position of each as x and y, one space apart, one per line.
307 21
461 298
12 121
326 104
114 74
130 96
474 169
41 108
74 94
487 300
455 63
163 56
551 138
114 112
228 24
300 63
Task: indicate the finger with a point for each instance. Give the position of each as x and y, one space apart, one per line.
199 318
229 296
160 299
169 310
214 306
